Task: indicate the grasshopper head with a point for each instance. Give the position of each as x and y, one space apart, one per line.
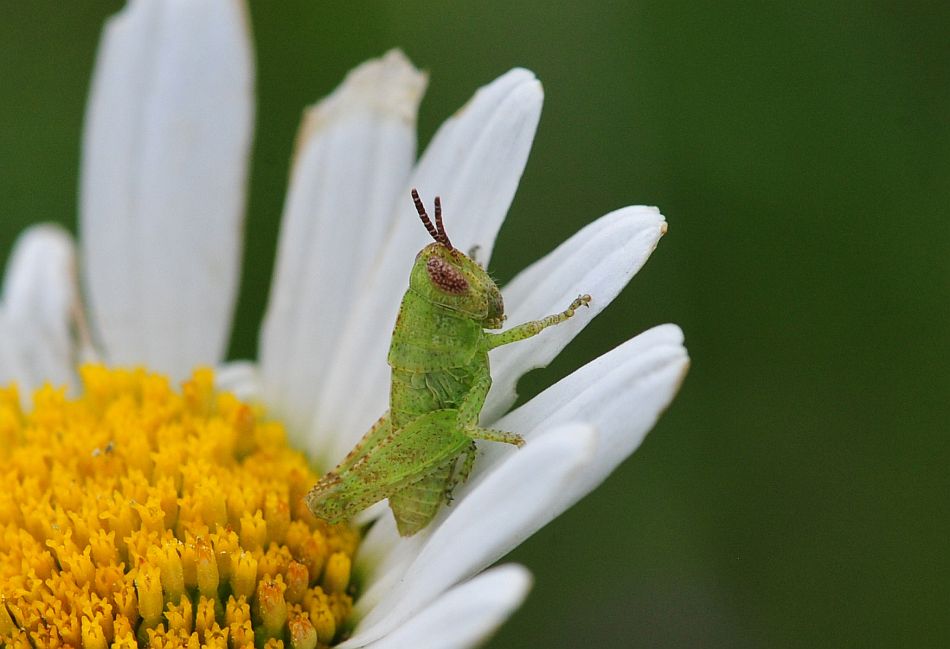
447 277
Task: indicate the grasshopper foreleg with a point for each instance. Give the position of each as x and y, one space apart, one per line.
533 328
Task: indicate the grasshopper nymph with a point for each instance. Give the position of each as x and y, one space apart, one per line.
424 445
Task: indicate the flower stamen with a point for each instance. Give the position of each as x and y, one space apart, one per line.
134 515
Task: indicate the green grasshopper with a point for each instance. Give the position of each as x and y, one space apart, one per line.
413 455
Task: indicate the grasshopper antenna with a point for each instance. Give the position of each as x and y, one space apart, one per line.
436 231
421 209
438 224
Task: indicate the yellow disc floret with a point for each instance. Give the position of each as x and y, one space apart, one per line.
137 516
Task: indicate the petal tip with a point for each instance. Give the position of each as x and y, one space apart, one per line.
518 582
521 75
388 86
664 334
530 87
45 234
679 361
684 370
40 245
518 83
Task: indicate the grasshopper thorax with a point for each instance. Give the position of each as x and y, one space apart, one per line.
445 276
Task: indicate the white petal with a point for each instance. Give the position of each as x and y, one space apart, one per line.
242 378
41 310
599 260
621 394
384 557
379 542
165 153
466 615
510 505
354 154
474 162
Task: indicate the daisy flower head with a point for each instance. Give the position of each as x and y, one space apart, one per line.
152 501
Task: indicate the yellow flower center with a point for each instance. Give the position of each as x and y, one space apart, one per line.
139 516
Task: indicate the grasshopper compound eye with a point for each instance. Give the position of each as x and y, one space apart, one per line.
445 277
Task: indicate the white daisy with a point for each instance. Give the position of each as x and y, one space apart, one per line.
165 159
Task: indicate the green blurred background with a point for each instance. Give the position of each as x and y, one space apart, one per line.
797 492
